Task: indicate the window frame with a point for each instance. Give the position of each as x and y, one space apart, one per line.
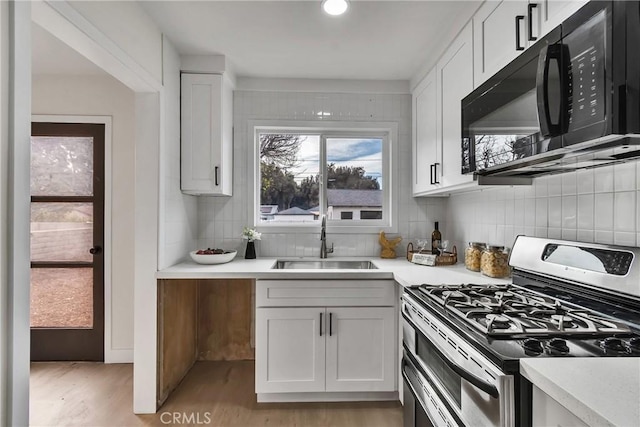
387 131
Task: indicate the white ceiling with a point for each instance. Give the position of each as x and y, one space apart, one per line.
381 40
378 40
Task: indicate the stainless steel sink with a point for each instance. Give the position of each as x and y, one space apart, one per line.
324 265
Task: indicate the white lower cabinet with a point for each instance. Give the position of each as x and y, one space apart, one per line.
360 349
290 351
326 349
548 412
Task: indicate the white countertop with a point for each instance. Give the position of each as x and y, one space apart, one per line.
404 272
600 391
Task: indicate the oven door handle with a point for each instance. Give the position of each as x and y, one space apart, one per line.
490 389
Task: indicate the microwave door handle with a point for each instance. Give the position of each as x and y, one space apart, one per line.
477 382
547 53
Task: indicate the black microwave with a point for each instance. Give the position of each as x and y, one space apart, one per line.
571 101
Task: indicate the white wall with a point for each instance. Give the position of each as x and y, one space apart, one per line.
178 212
105 96
220 219
597 205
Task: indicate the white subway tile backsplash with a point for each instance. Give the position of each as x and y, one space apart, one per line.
624 239
624 177
585 211
603 179
541 212
603 212
569 234
554 233
604 237
569 220
554 185
585 181
596 205
625 211
554 212
569 184
585 236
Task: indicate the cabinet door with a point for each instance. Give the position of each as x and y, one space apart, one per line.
553 12
548 412
361 349
205 142
425 138
495 36
290 350
455 81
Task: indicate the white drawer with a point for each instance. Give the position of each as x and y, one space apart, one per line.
322 293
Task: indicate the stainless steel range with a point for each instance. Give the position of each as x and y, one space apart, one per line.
463 342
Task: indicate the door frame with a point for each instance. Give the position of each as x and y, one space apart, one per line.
110 356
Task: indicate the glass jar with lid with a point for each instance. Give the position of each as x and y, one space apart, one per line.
472 255
494 262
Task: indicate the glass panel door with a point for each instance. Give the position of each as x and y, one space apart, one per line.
67 202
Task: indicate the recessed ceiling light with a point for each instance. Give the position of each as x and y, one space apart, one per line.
335 7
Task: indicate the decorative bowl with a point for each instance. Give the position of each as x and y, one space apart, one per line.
213 258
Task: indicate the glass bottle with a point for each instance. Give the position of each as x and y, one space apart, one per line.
436 237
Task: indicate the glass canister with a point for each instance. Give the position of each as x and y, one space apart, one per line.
472 255
494 262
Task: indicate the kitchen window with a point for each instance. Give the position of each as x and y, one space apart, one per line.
302 173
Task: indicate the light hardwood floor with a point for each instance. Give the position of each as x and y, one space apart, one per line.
212 394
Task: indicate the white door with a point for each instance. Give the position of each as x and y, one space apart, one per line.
425 138
495 36
361 349
290 349
455 81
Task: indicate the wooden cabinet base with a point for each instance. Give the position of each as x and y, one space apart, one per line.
201 320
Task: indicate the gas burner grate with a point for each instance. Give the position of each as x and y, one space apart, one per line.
508 310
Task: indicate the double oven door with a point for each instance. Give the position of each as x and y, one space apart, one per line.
448 382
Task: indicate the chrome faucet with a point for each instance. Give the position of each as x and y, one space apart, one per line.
323 239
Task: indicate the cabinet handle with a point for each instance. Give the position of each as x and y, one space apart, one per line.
518 19
530 13
431 174
216 174
435 173
320 323
330 324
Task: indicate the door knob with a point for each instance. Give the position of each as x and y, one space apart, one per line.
95 250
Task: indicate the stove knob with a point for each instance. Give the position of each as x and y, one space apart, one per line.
559 345
532 345
613 343
634 343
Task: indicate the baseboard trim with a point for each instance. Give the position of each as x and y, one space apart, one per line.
118 356
327 397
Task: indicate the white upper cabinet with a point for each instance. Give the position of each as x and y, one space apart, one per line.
504 29
500 34
206 135
437 129
455 81
553 12
426 150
